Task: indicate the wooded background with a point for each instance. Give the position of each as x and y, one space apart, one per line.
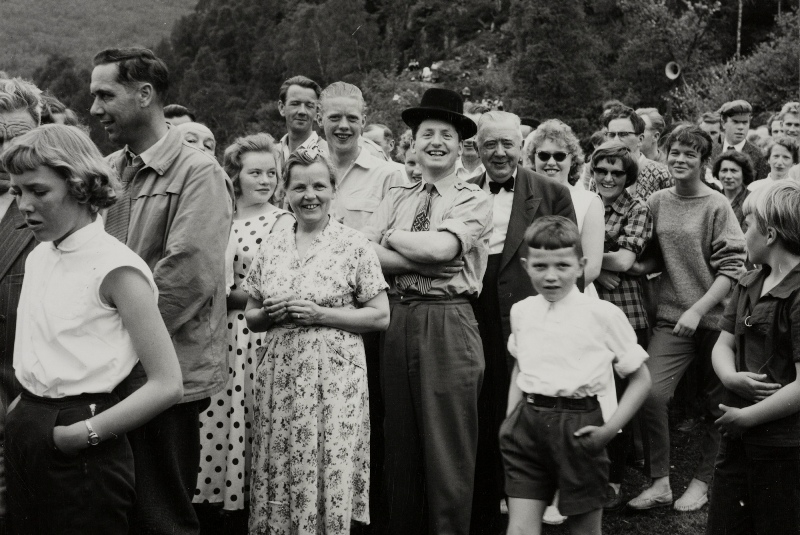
543 58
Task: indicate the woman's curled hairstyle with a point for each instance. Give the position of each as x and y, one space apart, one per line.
69 152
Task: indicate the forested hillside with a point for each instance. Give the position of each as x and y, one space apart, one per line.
546 58
31 30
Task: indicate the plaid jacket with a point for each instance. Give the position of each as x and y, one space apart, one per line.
629 225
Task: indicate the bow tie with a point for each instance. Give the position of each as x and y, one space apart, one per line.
495 187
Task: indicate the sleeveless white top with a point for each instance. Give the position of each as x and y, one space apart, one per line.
68 340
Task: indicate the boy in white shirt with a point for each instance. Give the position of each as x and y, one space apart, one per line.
565 344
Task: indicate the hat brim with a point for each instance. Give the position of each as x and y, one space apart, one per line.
465 126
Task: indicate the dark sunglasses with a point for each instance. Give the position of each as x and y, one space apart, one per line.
600 172
545 156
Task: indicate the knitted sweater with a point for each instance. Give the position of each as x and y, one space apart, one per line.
700 239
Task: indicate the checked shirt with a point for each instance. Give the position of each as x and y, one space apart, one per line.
629 225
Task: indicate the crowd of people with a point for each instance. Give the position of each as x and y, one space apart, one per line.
469 328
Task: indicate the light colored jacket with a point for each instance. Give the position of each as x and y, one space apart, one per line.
180 222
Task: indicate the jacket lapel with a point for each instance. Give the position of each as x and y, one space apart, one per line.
12 241
523 208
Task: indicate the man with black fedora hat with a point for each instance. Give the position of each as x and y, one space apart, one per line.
432 240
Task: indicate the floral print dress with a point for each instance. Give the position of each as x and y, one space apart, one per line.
311 418
226 426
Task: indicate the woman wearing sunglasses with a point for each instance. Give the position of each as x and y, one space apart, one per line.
555 152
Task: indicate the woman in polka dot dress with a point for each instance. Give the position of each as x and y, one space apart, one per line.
225 427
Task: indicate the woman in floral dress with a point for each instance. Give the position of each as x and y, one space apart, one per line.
224 477
312 288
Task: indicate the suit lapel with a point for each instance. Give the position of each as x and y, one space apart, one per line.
12 241
523 208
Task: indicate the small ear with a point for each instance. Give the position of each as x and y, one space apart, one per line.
582 262
281 108
524 262
146 95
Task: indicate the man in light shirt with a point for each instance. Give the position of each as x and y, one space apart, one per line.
174 211
519 196
363 179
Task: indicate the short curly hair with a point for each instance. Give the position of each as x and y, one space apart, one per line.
306 158
560 133
18 94
232 158
788 143
69 152
739 158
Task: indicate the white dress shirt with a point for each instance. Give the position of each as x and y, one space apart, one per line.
566 348
69 341
739 147
501 215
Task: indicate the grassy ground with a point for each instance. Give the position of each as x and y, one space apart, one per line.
661 521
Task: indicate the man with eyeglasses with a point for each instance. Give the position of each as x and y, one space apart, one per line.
519 196
622 122
735 125
298 100
469 166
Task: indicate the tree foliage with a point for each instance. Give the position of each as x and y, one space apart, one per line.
546 58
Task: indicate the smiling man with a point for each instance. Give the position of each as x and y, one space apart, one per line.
363 179
432 240
298 101
519 196
173 211
623 123
736 117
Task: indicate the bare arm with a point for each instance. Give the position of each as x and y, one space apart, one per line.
372 316
748 385
592 237
429 247
619 261
127 289
514 392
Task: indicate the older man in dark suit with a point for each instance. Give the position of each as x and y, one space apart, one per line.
519 197
20 111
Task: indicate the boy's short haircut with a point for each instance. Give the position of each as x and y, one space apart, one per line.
137 65
299 80
787 142
692 136
778 206
176 110
614 151
554 232
69 152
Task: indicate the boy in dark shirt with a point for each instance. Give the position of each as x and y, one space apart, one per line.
756 485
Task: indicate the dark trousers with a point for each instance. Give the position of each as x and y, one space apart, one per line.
50 492
619 446
756 490
489 478
166 451
431 371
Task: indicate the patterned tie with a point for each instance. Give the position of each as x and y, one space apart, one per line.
118 216
422 223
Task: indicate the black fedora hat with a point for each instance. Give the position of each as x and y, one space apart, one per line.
442 104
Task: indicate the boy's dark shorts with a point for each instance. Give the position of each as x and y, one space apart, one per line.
542 455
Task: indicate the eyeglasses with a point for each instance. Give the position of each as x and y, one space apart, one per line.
545 156
600 173
620 135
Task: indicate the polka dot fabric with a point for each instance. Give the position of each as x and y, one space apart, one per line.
226 426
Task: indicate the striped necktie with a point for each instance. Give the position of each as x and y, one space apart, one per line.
422 223
118 216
